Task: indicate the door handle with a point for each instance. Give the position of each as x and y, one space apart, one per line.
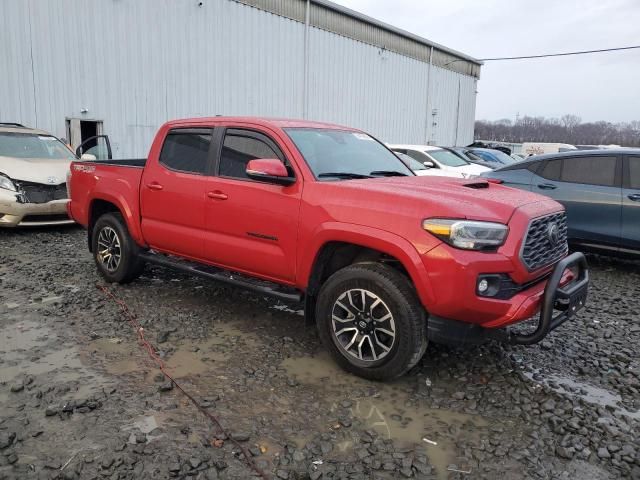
547 186
217 195
634 197
154 186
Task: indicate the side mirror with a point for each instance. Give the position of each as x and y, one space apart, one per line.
270 170
429 164
88 157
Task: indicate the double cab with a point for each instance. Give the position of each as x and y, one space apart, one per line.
385 261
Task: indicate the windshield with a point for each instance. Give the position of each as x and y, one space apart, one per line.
494 156
351 153
27 145
472 156
445 157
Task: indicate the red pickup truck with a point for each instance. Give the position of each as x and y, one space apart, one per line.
384 260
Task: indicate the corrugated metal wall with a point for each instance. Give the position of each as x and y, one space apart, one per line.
452 109
137 63
366 87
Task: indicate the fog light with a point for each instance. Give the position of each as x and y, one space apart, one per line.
488 285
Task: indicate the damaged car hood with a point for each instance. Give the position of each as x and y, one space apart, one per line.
37 170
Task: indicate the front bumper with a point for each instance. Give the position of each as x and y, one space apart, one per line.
563 296
15 214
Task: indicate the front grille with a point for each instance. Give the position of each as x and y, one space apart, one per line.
539 248
39 193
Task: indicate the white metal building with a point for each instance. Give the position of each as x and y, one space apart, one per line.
124 67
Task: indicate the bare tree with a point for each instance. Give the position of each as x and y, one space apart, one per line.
569 121
567 129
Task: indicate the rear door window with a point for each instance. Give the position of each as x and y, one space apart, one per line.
593 170
186 150
552 170
634 173
533 167
419 156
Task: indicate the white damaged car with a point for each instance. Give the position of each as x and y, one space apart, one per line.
33 175
440 161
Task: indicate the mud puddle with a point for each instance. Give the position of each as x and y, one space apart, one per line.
391 412
183 359
589 393
29 348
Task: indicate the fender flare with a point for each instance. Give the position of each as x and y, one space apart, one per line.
130 217
368 237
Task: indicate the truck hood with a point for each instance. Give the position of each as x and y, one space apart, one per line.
38 170
430 196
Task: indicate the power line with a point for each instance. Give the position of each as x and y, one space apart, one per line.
565 54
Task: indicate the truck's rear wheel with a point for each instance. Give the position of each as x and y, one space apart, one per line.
371 320
114 251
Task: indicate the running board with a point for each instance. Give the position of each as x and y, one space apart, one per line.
236 279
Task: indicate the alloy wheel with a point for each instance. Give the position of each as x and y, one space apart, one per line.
363 325
109 251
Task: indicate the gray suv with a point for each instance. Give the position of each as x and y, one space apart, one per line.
600 190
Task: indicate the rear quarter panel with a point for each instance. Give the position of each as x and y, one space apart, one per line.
119 185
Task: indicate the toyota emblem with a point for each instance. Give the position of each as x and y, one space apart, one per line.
52 180
553 234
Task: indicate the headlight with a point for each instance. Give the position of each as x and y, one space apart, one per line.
467 234
6 183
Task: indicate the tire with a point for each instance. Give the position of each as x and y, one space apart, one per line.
388 292
122 263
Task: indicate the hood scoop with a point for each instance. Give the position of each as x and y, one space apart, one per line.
477 184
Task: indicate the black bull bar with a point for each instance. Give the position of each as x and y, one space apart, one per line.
567 299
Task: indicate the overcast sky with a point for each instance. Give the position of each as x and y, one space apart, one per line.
603 86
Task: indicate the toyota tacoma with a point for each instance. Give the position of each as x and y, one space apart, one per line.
385 261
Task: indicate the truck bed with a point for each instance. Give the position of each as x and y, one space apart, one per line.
125 162
116 181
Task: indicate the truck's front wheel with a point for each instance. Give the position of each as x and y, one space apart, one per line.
371 320
114 251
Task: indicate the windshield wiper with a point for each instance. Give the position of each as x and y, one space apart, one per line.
347 175
388 173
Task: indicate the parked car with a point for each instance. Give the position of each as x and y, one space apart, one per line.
440 158
599 188
491 146
383 259
495 158
469 156
518 157
33 172
420 169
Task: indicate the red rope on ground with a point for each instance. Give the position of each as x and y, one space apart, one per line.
153 354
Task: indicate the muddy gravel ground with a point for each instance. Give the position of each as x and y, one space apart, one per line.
80 399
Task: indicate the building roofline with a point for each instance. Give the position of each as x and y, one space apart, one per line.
398 31
337 19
